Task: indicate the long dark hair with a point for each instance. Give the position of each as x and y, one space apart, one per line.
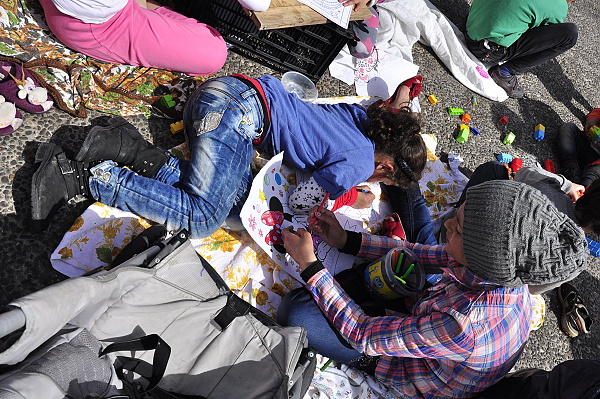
396 134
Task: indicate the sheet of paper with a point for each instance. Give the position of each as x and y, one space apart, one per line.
332 10
266 213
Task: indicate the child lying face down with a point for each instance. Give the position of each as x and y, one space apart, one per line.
462 334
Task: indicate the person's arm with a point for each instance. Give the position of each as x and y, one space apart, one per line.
533 175
371 246
438 335
530 175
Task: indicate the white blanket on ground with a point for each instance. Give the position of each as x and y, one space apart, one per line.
401 24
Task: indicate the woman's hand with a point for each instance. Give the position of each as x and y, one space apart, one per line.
357 4
576 191
299 245
364 199
326 226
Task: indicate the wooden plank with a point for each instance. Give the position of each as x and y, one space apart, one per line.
288 13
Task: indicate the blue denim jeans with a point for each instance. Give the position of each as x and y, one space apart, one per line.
299 309
221 119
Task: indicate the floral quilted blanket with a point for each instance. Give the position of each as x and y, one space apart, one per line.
77 82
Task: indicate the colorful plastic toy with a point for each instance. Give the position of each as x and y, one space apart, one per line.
463 134
539 132
503 120
455 111
474 100
475 131
466 118
504 157
167 101
432 99
549 166
595 133
594 247
177 127
509 138
516 164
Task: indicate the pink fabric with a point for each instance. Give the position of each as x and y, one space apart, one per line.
158 38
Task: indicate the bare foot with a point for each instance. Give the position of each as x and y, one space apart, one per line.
400 98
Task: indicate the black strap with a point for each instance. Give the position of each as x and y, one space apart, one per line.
153 373
162 352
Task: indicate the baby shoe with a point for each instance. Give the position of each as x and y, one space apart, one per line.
19 86
10 117
392 227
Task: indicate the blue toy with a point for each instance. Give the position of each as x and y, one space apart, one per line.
504 158
539 132
594 247
475 131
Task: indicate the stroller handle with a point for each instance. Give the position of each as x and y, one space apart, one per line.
11 321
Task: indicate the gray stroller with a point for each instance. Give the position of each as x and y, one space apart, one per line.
163 324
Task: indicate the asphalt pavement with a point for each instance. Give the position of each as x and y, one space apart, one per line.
562 90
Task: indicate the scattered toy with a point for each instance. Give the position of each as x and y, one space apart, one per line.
177 127
475 131
466 118
509 138
595 133
455 111
504 157
474 100
503 120
167 101
432 99
516 164
594 247
539 132
549 166
463 134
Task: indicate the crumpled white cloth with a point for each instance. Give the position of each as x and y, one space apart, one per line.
401 24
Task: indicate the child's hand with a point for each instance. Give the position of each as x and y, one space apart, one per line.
364 199
577 190
328 228
299 245
589 123
356 3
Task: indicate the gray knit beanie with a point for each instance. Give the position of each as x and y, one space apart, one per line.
513 235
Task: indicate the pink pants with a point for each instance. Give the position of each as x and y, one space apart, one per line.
158 38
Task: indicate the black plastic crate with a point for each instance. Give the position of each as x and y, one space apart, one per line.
305 49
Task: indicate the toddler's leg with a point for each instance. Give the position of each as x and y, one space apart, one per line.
365 35
590 173
574 151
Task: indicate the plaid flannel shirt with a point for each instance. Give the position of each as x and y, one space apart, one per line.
461 336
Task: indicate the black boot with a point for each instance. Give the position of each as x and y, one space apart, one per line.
122 143
56 180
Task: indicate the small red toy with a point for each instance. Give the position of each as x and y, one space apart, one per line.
503 120
515 165
549 166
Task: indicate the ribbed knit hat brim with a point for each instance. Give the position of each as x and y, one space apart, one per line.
514 235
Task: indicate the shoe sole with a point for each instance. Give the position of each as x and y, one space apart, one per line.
43 155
